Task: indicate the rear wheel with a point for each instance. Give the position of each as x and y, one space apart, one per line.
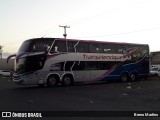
52 81
67 80
133 77
124 77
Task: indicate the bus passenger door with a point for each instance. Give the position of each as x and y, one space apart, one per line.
81 72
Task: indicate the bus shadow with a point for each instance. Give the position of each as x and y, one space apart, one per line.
32 87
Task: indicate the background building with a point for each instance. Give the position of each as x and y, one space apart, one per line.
155 58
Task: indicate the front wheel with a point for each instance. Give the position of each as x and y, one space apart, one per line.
133 77
52 81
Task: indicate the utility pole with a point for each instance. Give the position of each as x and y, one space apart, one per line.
1 51
65 34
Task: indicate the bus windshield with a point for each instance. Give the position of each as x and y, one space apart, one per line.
35 45
30 63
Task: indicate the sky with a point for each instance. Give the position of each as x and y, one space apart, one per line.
132 21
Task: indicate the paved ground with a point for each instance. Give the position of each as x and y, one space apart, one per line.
138 96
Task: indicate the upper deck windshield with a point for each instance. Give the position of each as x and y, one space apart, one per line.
36 45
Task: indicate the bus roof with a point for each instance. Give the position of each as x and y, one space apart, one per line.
93 41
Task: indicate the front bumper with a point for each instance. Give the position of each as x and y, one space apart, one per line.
17 79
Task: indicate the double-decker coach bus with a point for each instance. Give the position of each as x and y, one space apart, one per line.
50 61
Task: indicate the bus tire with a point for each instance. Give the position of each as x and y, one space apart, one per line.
133 77
67 80
52 81
124 77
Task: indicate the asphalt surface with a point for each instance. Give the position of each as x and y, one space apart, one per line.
143 95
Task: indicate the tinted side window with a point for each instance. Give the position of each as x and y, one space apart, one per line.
139 52
71 46
68 65
59 46
82 47
79 65
92 65
106 65
121 49
145 50
95 48
108 48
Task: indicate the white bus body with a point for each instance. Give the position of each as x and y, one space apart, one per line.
46 61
